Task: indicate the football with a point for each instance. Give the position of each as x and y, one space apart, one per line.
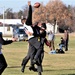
37 5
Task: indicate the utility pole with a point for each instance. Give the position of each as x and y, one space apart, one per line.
3 12
3 20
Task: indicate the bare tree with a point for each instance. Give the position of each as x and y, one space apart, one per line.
9 13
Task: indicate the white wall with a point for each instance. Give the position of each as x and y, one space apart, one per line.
3 29
5 32
11 21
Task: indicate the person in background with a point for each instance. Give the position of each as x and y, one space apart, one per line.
51 38
66 39
3 63
61 44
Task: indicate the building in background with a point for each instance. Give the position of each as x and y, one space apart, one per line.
7 25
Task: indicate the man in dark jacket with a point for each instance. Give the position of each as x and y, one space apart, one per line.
3 63
33 50
35 45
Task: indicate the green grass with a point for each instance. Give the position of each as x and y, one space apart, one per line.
53 64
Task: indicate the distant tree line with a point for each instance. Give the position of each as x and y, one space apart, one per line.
53 10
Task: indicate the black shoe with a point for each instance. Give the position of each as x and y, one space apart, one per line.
66 50
22 70
33 68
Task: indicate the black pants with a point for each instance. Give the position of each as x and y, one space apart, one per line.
25 61
31 54
39 67
35 49
27 57
38 54
66 45
39 59
34 43
3 63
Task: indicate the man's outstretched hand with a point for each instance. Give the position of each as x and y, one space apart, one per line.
14 39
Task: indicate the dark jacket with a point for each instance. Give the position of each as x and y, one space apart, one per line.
4 42
29 18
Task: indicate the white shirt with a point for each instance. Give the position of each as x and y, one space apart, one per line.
49 27
29 28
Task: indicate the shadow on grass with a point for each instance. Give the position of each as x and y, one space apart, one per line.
60 70
43 66
20 66
45 70
71 74
15 66
68 74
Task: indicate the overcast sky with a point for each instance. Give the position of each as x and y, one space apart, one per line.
17 5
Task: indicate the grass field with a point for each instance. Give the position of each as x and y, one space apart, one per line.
53 64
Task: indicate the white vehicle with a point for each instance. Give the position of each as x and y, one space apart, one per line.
20 34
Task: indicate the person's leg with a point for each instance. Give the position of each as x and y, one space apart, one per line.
39 73
26 59
38 47
53 47
24 62
66 45
61 47
39 67
33 52
50 45
3 63
38 53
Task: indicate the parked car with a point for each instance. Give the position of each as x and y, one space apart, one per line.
20 35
